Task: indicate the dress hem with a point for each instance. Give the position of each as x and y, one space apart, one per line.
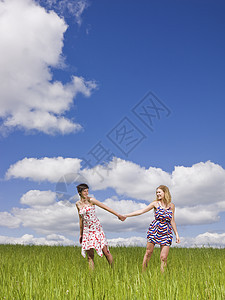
83 251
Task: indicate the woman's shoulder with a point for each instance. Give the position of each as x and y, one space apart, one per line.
172 205
92 200
78 204
155 203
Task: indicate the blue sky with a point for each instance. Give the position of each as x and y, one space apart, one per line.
87 77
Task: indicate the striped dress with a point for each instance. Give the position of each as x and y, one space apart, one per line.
160 230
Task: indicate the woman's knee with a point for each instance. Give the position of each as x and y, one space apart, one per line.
163 257
164 253
148 252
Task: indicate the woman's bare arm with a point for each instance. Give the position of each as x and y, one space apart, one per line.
112 211
173 224
143 210
81 225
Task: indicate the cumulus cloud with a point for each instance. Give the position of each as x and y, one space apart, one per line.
200 183
214 240
203 182
197 191
31 44
207 239
199 214
128 242
46 216
62 217
29 239
50 169
127 178
55 218
38 198
9 220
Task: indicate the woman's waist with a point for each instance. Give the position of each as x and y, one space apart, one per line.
91 225
163 221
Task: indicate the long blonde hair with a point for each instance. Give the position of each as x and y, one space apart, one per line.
167 197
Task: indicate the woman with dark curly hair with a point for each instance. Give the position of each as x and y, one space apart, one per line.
91 233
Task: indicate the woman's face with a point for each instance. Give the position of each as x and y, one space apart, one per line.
84 193
160 194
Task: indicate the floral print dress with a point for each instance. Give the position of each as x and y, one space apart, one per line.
93 235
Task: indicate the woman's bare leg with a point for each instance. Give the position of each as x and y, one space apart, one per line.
148 254
108 255
90 256
163 257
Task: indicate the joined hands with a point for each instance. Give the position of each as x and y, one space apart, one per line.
122 218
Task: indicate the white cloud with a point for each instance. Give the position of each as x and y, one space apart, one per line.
28 239
31 43
50 169
127 178
127 242
199 214
9 220
200 183
207 239
62 217
38 198
198 191
215 240
55 218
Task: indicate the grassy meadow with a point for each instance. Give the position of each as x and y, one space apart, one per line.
45 273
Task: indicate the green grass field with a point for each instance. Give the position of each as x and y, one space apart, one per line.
42 272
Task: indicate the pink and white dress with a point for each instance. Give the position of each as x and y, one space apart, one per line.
93 235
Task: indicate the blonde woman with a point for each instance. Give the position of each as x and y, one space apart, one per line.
160 230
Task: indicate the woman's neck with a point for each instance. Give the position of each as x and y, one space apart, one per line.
163 204
84 200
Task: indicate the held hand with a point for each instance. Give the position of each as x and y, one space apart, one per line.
122 218
177 239
80 239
